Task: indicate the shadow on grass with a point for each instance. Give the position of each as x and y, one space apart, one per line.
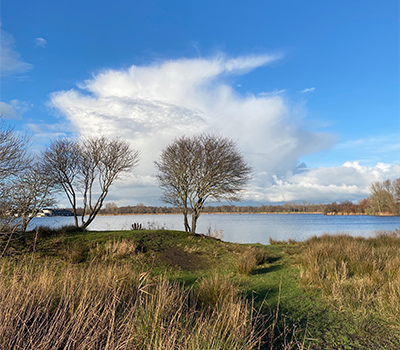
273 259
267 269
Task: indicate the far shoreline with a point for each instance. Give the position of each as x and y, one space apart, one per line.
251 213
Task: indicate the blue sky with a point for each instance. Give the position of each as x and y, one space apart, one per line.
311 83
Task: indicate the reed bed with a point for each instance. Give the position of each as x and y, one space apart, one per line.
358 274
62 306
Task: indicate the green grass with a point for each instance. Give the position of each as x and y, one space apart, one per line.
293 290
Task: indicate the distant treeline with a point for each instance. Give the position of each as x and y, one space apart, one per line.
384 200
342 208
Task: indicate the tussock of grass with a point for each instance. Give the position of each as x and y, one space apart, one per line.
360 275
212 291
249 259
277 242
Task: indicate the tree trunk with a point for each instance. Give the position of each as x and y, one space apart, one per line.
75 218
194 221
186 222
185 218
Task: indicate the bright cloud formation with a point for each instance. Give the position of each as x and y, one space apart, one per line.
351 181
150 105
10 60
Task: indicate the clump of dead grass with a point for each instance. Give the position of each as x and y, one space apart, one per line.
97 306
359 274
249 258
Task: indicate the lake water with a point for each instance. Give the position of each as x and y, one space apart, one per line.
246 228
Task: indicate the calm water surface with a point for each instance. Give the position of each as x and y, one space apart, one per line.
246 228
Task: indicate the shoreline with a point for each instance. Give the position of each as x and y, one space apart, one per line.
262 213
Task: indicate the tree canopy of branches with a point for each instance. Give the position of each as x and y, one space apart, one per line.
13 161
192 170
88 167
385 197
13 152
31 192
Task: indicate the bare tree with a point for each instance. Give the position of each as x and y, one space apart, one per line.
31 192
61 160
385 197
13 152
192 170
88 168
13 160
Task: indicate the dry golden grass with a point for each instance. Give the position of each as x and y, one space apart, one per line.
65 306
249 258
361 275
115 249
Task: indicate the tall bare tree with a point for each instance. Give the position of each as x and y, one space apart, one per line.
88 167
61 160
13 152
31 192
193 170
13 160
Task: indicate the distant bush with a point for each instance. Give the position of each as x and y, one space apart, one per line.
65 230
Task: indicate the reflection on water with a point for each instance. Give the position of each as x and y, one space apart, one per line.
246 228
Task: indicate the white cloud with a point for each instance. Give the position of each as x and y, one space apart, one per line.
272 93
40 42
305 91
14 109
150 105
351 181
10 60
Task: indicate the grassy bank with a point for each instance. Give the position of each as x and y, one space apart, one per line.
171 290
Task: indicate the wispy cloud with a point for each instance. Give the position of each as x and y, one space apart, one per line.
272 93
10 60
13 110
40 42
308 90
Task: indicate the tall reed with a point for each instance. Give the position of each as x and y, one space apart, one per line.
62 306
359 274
